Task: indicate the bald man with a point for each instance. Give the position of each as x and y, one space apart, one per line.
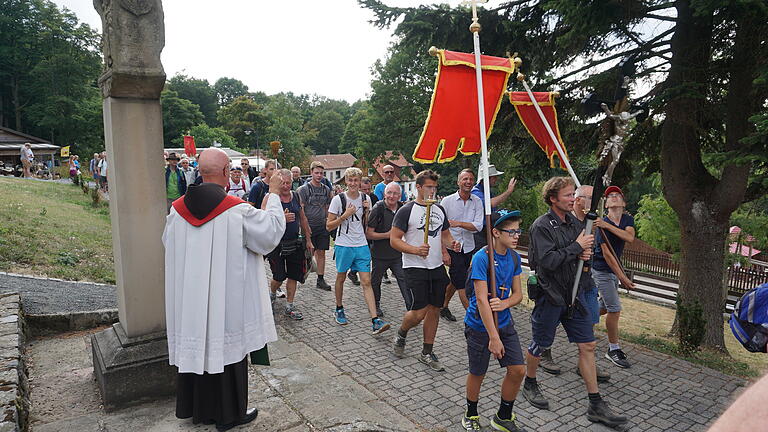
217 304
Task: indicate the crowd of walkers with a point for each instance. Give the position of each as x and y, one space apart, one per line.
376 233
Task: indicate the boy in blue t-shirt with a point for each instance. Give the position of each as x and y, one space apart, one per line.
483 337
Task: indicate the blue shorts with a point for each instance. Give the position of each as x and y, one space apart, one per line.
357 258
590 295
545 318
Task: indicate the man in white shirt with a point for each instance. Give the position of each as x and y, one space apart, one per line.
237 185
465 216
26 159
349 212
425 275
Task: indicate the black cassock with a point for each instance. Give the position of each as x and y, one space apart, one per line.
213 398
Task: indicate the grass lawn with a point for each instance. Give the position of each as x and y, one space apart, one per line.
648 324
53 229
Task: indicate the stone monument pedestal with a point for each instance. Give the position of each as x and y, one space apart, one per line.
130 370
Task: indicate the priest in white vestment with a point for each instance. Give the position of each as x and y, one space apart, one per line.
216 292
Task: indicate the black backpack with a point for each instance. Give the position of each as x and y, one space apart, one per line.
469 286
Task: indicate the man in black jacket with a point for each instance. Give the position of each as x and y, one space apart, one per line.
558 242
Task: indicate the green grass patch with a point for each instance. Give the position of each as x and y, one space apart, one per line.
711 359
54 230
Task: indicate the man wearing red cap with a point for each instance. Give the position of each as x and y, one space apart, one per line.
614 231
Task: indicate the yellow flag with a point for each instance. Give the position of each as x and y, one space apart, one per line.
65 151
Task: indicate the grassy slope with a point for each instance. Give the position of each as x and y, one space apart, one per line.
52 229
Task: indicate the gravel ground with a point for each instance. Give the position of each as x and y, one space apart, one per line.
47 296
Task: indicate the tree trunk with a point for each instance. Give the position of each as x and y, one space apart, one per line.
702 202
701 269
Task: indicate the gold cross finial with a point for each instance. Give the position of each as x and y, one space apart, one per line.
475 26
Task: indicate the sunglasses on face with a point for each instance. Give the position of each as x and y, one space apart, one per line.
512 232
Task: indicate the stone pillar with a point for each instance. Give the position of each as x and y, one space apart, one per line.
131 358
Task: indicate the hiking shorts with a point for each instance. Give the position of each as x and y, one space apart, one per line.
357 258
608 288
479 354
458 271
425 287
545 318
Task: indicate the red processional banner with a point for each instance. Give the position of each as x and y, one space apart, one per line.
532 122
189 145
452 124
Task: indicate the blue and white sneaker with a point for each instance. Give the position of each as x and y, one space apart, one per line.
341 318
379 326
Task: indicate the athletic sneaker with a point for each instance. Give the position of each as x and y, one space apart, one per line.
431 361
535 397
379 326
599 412
293 313
602 376
398 347
341 318
471 423
446 313
280 293
547 364
505 425
618 358
353 277
323 285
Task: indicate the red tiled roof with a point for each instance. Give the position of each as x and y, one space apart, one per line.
335 161
403 168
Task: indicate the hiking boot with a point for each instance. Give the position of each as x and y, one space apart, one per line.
280 293
534 396
379 326
293 313
471 423
548 364
599 412
353 277
431 361
323 285
446 313
379 312
505 425
618 358
398 347
341 317
602 376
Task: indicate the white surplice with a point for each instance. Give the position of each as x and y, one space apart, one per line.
217 305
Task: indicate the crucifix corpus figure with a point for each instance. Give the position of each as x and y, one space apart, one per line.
615 144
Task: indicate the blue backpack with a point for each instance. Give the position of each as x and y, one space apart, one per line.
749 320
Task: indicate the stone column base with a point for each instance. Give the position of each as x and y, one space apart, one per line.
131 370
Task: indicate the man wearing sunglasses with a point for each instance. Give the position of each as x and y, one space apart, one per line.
388 172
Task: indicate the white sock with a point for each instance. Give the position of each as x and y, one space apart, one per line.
613 346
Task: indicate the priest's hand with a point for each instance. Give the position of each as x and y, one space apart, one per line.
289 216
274 184
511 185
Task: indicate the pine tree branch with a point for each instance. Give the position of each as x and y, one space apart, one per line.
661 17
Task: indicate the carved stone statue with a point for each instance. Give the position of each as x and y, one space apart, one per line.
615 144
133 38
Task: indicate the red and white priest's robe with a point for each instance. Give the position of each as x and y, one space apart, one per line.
217 306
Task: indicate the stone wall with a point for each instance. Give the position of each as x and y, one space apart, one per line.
14 388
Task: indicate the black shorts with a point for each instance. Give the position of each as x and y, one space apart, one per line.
425 287
479 354
458 271
288 266
321 239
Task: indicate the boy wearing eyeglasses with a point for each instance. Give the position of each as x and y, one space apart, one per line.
484 336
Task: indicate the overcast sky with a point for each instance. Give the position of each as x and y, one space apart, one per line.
303 46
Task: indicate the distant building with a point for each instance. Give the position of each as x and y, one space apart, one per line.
335 164
12 141
404 173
